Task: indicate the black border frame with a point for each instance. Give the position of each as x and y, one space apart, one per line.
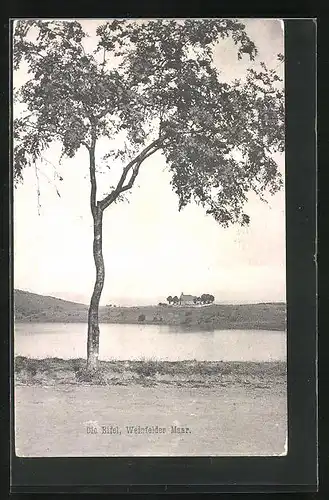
298 470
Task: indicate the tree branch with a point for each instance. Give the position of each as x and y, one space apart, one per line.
135 171
135 165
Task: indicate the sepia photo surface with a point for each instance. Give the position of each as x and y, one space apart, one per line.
149 237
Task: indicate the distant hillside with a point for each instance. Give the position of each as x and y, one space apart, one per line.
33 307
38 308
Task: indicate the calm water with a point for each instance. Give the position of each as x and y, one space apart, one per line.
123 342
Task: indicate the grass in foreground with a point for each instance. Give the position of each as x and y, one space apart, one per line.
55 371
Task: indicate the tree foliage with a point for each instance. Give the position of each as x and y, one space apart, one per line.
169 299
207 298
153 85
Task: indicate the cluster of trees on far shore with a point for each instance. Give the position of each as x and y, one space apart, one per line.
205 298
173 300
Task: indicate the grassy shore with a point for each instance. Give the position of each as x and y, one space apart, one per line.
55 371
215 316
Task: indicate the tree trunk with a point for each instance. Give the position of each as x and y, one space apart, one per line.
93 322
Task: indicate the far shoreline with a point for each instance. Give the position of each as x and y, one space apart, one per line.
262 316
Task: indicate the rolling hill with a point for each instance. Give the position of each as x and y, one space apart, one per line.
34 307
31 307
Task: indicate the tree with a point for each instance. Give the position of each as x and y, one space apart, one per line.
207 298
169 299
175 300
149 86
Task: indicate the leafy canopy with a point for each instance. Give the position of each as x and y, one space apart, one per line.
153 85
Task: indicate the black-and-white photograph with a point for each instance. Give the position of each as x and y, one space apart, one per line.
149 237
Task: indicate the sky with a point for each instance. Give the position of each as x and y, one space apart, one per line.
150 249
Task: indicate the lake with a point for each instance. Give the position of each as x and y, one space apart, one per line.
131 342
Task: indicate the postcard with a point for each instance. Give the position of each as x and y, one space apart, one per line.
149 238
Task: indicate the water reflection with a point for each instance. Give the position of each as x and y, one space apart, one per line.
40 340
187 329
